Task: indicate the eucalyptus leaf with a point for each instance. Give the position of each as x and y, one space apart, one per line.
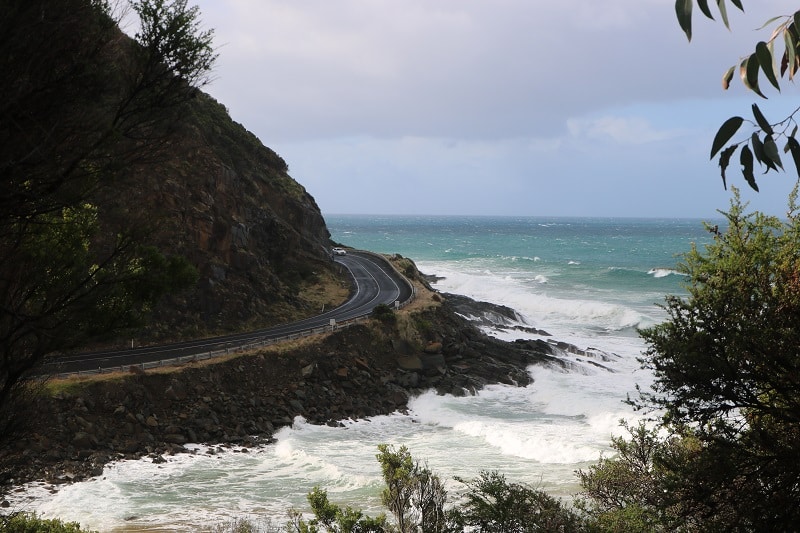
758 150
724 160
738 4
746 159
743 71
703 5
771 48
780 28
767 64
771 151
784 64
791 58
723 11
724 134
767 23
794 147
683 9
727 77
751 75
761 120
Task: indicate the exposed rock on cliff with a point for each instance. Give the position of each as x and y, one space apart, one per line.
220 198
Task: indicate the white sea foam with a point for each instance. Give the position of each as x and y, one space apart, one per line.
515 258
566 313
663 272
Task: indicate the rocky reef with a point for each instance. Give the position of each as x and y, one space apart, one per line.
365 370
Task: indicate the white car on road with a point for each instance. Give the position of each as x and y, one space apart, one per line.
339 251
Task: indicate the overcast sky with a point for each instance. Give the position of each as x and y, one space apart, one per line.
493 107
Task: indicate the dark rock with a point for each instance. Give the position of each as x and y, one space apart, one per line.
433 348
176 391
175 438
411 362
483 313
355 374
429 361
83 440
402 347
308 371
408 380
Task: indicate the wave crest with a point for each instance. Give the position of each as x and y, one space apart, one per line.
663 272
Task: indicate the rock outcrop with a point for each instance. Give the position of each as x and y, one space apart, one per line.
226 202
363 371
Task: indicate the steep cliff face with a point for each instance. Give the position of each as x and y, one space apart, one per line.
105 148
219 197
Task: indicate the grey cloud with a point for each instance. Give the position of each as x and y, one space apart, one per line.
470 69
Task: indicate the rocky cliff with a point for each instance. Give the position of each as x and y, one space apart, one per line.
217 196
108 151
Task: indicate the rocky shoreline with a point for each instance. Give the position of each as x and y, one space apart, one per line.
359 372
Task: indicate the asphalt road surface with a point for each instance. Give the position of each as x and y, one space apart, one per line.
374 282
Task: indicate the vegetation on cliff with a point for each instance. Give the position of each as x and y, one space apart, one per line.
81 106
726 366
30 523
132 206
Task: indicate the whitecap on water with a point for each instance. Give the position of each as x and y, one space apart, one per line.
663 272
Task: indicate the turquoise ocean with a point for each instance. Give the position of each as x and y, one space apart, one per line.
589 282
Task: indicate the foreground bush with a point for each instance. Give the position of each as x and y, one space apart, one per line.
418 502
30 523
727 375
726 366
494 505
384 313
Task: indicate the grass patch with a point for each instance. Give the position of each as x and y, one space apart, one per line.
326 290
73 385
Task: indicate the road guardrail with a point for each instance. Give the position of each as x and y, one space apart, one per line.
247 345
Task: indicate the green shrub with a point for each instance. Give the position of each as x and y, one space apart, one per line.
331 518
30 523
423 325
494 505
243 525
417 499
384 313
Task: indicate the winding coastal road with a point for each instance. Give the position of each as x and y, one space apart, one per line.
374 282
